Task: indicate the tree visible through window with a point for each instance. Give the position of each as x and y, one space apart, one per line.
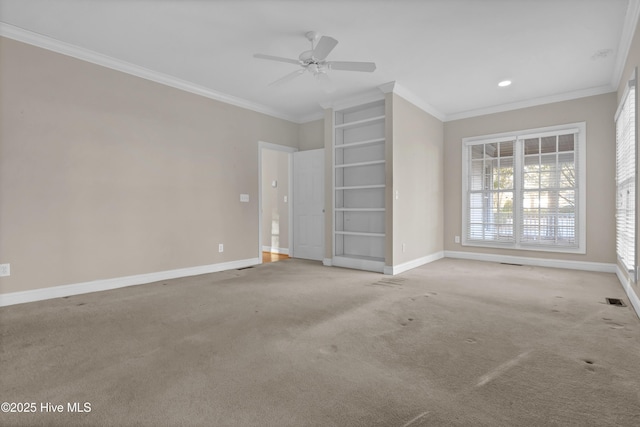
491 191
522 190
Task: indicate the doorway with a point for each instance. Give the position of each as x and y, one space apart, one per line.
275 223
273 257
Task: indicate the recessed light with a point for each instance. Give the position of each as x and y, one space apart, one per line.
504 83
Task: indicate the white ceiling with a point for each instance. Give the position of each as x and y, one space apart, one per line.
447 55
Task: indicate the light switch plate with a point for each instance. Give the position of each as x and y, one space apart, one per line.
5 270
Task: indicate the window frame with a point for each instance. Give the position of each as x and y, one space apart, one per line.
519 136
629 100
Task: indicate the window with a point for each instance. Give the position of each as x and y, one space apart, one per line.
626 179
525 190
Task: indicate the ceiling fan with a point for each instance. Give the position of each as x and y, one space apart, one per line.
314 61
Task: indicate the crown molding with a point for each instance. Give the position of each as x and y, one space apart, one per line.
398 89
48 43
364 97
624 45
387 87
405 93
311 117
567 96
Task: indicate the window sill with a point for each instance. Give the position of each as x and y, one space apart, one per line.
525 247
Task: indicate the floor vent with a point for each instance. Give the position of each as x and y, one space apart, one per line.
244 268
616 301
508 263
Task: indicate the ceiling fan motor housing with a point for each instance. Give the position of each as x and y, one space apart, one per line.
312 36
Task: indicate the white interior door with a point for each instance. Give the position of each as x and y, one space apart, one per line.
308 204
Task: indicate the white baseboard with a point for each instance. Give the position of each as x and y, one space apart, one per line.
538 262
401 268
631 294
358 264
327 262
275 250
118 282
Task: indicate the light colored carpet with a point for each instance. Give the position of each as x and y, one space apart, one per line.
293 343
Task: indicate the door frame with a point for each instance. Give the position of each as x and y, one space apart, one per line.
262 145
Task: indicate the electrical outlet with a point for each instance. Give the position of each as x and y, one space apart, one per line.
456 239
404 247
220 247
5 270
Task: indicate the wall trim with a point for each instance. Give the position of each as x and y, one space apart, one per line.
68 49
275 250
538 262
624 44
312 117
533 102
119 282
327 262
412 98
363 97
628 288
401 268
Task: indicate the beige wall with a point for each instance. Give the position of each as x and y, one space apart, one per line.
418 181
311 135
275 211
597 112
105 175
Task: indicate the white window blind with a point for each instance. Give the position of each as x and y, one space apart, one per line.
626 179
491 191
548 213
525 190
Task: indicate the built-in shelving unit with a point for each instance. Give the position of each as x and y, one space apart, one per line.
359 187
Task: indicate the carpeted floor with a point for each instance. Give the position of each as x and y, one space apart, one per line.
293 343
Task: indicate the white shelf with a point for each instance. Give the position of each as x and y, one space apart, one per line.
361 187
363 258
360 209
367 263
362 122
352 165
359 233
360 143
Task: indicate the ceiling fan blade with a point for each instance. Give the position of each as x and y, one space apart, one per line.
276 58
287 78
352 66
325 83
324 47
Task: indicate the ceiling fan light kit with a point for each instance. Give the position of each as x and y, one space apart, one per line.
314 61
